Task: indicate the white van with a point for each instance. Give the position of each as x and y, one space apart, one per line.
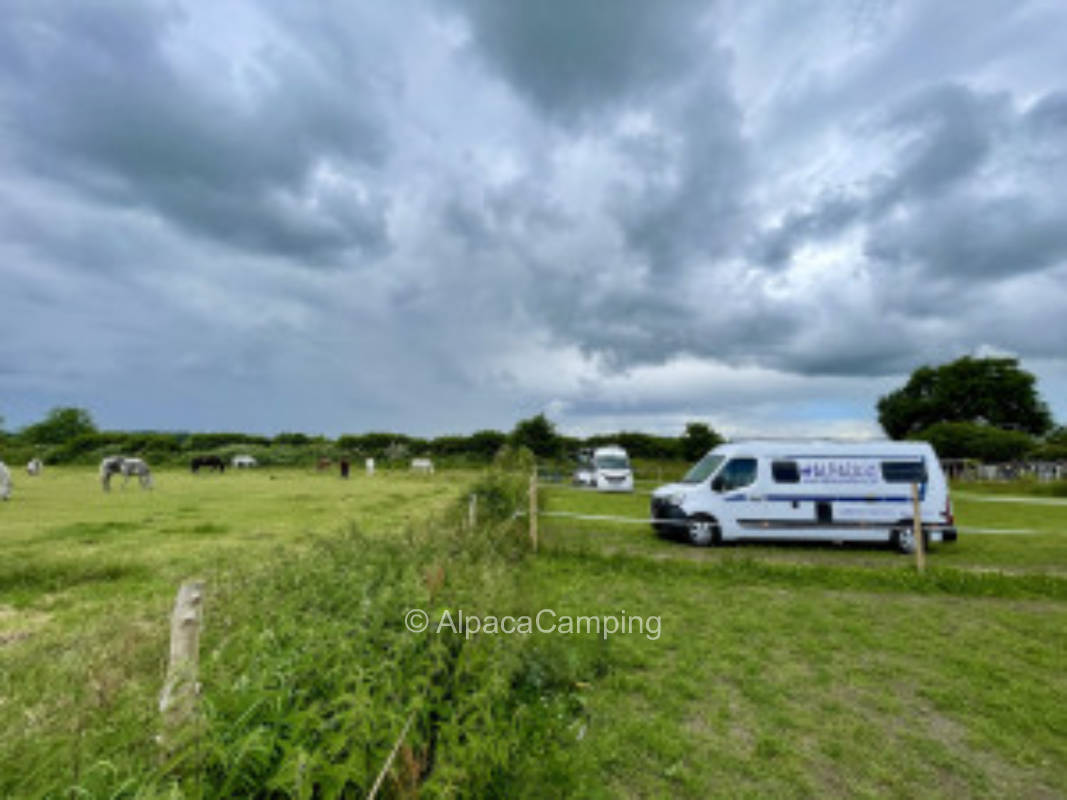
611 470
809 491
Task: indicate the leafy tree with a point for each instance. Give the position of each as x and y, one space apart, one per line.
61 425
1054 447
291 438
697 440
486 443
538 434
991 391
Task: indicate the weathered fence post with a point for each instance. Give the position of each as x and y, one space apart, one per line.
472 512
917 522
533 509
178 700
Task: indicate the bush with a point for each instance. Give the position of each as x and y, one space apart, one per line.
970 440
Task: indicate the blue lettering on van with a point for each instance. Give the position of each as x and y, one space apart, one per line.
839 471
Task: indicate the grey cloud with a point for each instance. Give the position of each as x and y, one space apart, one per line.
571 180
967 239
932 206
691 204
952 128
572 59
95 100
830 215
1048 116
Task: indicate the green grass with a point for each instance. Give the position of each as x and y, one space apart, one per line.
61 529
821 671
778 671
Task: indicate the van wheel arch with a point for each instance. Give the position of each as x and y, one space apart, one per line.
703 530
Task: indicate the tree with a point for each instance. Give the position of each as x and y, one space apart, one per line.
985 391
697 440
61 425
538 434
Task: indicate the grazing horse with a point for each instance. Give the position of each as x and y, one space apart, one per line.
34 466
324 463
422 465
5 482
115 465
211 462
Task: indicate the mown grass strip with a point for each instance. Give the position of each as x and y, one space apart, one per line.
742 570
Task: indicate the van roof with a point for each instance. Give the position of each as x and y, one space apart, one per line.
800 448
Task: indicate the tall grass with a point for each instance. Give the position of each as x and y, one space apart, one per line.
308 675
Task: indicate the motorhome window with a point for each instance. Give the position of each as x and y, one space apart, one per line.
785 472
904 472
612 462
703 469
738 472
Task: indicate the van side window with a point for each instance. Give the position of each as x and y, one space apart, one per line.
738 472
904 472
785 472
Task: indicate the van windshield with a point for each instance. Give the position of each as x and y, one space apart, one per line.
612 462
703 468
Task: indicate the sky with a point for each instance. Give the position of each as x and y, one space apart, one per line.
439 217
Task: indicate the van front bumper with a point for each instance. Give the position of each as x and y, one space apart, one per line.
666 517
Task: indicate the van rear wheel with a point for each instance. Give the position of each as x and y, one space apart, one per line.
703 531
903 539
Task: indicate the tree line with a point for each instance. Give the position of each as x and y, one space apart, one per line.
69 435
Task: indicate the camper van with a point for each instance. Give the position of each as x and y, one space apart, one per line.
611 470
808 491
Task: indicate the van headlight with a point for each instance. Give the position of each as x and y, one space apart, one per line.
676 499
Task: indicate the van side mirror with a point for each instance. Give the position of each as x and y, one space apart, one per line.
717 484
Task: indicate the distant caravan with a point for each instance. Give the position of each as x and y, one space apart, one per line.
808 491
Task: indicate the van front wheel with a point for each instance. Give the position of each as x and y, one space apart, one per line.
703 531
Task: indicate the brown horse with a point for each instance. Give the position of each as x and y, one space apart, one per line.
211 462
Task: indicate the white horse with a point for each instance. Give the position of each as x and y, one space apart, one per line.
243 462
35 466
113 465
422 465
5 482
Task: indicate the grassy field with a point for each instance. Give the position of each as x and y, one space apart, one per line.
64 539
800 671
775 671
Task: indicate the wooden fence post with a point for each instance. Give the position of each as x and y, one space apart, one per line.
917 523
533 509
178 700
472 512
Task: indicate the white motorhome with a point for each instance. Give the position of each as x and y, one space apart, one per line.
808 491
611 470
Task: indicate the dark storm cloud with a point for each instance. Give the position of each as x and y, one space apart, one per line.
575 59
94 98
590 61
